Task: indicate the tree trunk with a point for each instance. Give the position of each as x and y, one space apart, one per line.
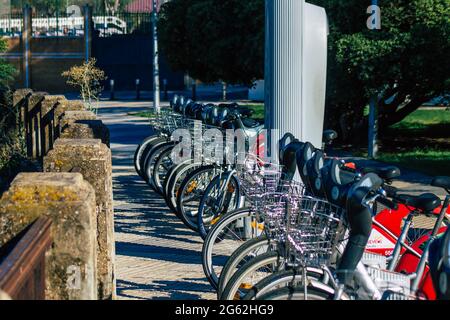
388 119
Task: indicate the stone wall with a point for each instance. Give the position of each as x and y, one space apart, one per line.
75 191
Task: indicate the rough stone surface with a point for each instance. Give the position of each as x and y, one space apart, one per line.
70 202
92 159
20 94
64 106
72 116
47 121
86 129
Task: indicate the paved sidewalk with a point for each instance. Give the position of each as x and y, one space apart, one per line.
157 257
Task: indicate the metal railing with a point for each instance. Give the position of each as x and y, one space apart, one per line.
66 25
22 262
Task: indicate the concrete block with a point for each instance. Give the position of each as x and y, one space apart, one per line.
92 159
71 263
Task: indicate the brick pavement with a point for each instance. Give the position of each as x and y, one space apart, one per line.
157 257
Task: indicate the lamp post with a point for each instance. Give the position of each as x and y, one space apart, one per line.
156 89
373 23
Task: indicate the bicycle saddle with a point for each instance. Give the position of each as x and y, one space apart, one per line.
233 105
426 202
329 136
385 173
250 123
441 182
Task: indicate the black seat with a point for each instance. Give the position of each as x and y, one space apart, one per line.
385 173
441 182
246 113
426 202
329 136
250 123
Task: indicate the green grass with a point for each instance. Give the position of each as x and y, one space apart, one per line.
258 110
423 119
420 142
429 161
145 114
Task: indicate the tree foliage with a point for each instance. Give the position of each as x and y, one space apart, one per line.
214 40
7 71
405 63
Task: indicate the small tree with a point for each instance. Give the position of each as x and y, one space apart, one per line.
7 71
87 79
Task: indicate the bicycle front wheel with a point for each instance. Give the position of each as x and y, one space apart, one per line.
217 200
225 237
250 274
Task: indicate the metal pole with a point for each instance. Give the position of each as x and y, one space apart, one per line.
373 119
26 36
156 93
138 89
373 128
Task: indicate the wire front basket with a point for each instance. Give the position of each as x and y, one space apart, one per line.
260 181
313 232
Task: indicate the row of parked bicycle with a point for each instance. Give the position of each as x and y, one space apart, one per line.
340 232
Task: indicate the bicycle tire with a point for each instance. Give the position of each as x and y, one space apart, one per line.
162 166
203 227
151 160
214 238
237 258
139 152
146 153
269 259
174 185
170 177
298 293
184 213
283 279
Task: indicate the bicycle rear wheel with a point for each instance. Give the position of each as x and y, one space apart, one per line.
147 152
140 150
225 237
151 161
217 200
190 193
173 181
162 167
